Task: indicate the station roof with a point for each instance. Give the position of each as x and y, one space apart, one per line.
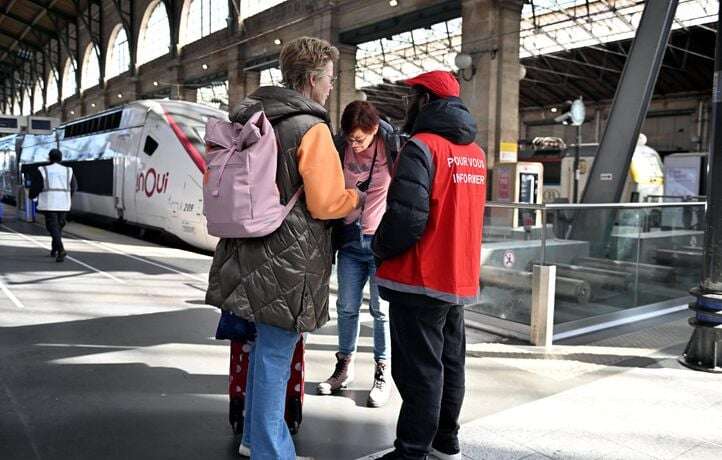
27 25
569 48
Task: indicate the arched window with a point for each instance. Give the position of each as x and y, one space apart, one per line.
26 102
201 18
51 94
69 85
271 77
16 105
154 33
118 53
91 69
38 97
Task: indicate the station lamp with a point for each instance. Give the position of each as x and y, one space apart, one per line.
575 116
463 61
393 3
277 41
204 66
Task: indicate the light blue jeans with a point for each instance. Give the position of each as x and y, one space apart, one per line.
269 367
355 267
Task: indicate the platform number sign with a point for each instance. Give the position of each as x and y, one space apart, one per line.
508 259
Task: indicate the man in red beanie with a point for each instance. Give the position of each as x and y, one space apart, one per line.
429 242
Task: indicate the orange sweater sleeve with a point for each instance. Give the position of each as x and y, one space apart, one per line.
323 182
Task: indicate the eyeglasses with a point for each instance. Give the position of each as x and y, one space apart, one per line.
331 78
358 140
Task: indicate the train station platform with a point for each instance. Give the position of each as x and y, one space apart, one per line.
110 355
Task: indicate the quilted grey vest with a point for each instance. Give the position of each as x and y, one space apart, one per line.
280 279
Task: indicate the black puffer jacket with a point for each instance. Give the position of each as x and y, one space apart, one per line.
281 279
408 200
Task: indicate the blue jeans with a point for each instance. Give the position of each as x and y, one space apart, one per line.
269 367
356 266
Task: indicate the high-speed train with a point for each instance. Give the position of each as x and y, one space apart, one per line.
141 163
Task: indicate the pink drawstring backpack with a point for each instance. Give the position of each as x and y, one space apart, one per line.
240 195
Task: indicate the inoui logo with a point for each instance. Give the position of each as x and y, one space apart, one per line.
151 183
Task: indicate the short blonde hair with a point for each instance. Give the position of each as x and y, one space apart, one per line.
302 57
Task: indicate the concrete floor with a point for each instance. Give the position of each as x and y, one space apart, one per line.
110 355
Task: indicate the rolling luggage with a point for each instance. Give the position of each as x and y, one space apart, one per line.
237 385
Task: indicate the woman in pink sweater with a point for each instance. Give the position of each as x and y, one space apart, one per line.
368 147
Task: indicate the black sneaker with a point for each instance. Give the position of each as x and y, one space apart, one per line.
53 253
61 256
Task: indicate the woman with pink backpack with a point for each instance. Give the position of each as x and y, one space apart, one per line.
280 281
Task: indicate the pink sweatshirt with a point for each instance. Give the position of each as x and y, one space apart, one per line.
356 168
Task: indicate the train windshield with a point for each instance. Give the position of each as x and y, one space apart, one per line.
191 119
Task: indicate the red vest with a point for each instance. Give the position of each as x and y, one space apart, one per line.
444 263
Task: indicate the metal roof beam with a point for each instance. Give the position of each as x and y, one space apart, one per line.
21 41
53 11
582 63
36 27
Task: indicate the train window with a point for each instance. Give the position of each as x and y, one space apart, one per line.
150 146
94 125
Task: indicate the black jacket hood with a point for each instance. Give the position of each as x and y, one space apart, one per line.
449 118
277 103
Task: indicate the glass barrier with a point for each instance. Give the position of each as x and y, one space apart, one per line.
507 252
651 255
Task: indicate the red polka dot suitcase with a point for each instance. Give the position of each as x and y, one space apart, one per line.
237 386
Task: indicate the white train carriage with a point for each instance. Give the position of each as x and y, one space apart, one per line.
9 147
141 163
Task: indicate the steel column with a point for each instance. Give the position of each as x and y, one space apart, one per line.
631 102
704 349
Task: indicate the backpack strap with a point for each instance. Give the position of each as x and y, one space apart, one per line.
292 202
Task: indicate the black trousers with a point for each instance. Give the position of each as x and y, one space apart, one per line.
428 349
54 222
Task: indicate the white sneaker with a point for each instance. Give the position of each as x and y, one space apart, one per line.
437 454
379 394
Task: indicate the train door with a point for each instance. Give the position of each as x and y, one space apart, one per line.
125 144
157 168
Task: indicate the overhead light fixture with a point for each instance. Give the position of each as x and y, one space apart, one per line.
393 3
205 66
155 83
120 95
72 112
463 61
92 104
554 110
277 41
